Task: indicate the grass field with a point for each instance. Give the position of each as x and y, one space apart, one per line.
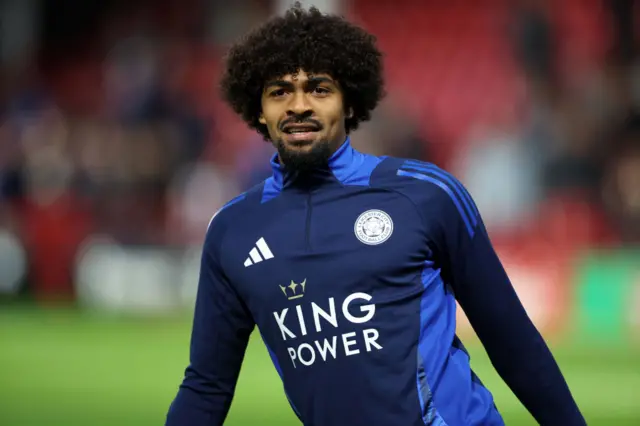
62 368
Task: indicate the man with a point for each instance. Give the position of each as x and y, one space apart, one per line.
349 264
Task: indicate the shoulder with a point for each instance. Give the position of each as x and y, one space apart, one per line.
418 179
231 213
433 189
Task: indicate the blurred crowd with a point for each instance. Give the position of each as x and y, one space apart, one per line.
111 126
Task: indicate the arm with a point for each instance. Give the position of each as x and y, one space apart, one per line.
221 329
481 286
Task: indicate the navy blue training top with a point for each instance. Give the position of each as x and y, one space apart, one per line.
351 274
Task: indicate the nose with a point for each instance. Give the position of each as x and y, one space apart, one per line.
299 104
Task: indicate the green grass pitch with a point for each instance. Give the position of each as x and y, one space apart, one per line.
62 368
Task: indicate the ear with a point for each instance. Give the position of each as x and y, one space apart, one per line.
262 120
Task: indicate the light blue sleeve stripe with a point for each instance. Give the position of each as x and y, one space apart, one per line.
448 190
276 364
430 414
463 193
422 389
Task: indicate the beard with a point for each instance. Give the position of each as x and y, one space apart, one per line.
307 161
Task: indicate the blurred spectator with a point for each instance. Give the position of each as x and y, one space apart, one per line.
536 46
54 221
196 193
501 173
393 130
621 188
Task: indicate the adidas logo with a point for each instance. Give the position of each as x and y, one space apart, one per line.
259 253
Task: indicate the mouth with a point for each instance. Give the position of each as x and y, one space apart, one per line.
300 132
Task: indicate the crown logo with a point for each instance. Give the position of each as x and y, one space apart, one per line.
294 290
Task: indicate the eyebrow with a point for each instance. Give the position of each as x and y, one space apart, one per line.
288 84
281 83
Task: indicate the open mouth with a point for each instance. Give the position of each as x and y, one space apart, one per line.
302 133
292 130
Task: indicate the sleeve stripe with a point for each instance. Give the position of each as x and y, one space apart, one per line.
454 198
453 182
276 364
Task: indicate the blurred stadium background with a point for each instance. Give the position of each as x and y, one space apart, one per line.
115 151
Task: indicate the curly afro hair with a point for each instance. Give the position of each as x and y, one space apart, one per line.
309 41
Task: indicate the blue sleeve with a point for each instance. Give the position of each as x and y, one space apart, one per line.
222 326
480 284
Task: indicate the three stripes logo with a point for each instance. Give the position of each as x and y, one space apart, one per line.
449 184
259 253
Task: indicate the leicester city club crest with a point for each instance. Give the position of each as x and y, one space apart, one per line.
373 227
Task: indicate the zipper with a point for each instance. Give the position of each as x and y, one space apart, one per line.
308 224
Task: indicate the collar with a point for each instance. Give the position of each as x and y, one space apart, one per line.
342 163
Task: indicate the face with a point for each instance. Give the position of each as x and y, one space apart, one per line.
304 114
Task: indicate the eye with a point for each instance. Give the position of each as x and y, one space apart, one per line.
277 93
321 91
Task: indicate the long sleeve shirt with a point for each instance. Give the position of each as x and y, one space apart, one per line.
351 275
